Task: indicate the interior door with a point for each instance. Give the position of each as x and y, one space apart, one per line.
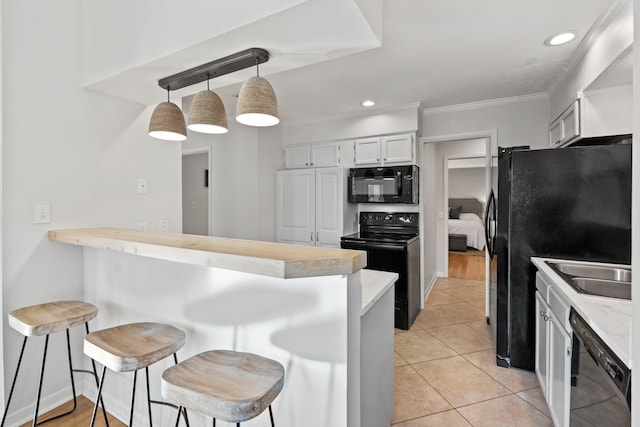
329 206
295 206
195 194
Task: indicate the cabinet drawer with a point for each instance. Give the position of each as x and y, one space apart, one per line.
559 308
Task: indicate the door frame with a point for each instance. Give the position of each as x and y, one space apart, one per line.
491 152
202 150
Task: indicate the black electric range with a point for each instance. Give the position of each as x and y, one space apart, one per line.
392 243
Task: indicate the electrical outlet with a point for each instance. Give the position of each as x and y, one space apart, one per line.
42 214
141 226
143 186
163 224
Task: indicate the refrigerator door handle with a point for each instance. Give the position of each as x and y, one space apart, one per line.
488 234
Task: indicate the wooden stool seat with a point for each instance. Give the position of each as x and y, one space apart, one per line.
226 385
133 346
51 317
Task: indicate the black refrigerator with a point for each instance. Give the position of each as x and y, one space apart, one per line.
571 203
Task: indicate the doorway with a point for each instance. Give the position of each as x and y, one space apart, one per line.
195 193
466 185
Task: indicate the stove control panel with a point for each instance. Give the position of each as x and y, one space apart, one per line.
388 218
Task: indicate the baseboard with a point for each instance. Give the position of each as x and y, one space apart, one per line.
47 403
429 286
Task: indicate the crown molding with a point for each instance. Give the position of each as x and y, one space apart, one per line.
485 104
587 42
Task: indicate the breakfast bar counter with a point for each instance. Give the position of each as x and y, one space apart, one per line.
302 306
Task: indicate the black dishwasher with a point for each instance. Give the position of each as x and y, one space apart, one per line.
601 383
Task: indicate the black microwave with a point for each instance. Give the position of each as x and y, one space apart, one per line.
392 184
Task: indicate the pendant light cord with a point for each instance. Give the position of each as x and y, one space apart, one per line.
257 68
168 99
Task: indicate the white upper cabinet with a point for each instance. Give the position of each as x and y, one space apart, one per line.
386 150
397 149
326 154
367 151
565 128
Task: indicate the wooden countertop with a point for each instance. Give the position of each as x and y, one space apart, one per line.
265 258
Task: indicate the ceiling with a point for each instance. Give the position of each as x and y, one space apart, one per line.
329 55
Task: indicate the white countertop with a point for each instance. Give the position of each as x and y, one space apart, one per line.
374 285
610 318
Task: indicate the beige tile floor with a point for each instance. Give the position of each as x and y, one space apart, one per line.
445 370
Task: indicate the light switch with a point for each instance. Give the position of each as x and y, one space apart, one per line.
440 215
164 225
141 226
42 214
142 186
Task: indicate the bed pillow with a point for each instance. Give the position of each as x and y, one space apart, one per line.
454 213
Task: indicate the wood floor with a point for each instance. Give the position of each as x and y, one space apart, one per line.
467 265
80 417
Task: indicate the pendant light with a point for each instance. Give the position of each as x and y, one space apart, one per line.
207 113
257 104
167 122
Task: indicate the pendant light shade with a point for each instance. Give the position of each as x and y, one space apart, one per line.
167 122
257 104
207 113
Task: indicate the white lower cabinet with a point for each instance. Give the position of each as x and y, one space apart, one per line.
553 351
311 207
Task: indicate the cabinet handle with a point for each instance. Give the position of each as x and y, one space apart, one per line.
312 236
311 163
306 164
377 160
317 235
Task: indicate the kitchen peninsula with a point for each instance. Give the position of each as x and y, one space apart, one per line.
303 306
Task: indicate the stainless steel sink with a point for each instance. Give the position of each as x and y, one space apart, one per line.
593 271
614 282
605 288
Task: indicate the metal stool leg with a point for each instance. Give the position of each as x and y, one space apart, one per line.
95 377
133 398
271 416
98 397
13 384
44 359
146 371
73 388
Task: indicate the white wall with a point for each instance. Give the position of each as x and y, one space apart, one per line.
517 121
467 183
429 193
242 179
80 152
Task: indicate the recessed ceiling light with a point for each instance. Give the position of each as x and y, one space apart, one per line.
559 39
368 103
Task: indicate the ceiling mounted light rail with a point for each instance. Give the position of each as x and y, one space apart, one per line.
207 112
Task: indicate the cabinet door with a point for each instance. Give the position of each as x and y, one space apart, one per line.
367 151
295 206
571 122
555 133
296 156
329 206
542 347
559 372
325 155
397 149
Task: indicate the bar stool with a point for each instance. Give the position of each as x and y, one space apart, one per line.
46 319
226 385
131 347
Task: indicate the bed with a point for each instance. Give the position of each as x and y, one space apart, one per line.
466 227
